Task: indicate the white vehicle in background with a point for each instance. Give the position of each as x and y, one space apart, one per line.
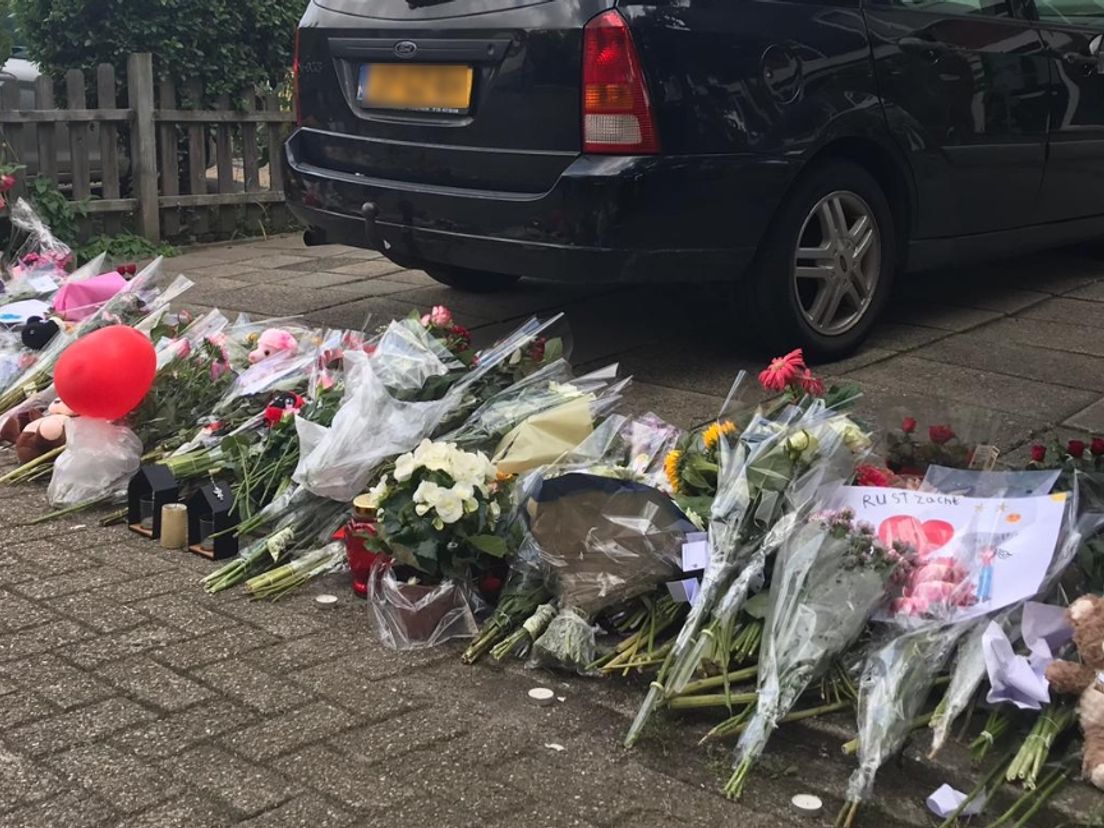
20 70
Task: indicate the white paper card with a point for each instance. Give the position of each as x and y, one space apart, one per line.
975 555
17 313
684 591
43 283
695 555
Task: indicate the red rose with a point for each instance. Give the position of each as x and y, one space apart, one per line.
908 425
1097 446
131 269
121 270
1075 448
940 434
1038 453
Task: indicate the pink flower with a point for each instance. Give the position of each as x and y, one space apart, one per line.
814 386
183 349
439 317
782 371
6 183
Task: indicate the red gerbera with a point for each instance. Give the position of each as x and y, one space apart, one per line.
871 476
782 371
810 384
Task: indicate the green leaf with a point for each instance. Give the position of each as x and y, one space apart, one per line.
492 545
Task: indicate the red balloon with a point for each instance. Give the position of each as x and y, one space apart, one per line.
106 373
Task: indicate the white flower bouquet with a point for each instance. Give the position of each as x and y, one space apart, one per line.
440 509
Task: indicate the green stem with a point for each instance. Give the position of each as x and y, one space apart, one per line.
720 700
21 471
695 687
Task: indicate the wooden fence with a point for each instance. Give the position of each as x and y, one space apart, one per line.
160 166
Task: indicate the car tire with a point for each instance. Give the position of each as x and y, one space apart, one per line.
471 281
780 294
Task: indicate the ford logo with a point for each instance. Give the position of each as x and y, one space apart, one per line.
406 48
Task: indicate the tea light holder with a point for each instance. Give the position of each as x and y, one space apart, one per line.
152 486
210 515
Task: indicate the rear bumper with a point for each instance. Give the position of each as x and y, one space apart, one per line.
605 219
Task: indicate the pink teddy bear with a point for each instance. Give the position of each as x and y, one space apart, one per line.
273 341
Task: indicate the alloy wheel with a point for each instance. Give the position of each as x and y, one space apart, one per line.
837 263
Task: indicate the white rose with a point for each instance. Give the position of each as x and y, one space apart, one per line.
449 506
404 467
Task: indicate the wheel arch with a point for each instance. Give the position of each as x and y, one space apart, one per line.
888 169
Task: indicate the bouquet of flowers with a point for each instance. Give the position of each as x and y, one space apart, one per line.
440 509
830 576
41 262
774 466
388 409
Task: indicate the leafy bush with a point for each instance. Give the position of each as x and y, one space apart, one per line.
227 45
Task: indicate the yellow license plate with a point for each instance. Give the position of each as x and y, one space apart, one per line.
419 86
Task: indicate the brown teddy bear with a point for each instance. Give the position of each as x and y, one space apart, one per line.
13 424
43 434
1086 678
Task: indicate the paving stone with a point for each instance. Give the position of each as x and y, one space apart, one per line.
135 590
935 315
183 612
369 269
222 271
216 646
155 684
365 678
351 781
252 687
308 809
417 278
24 706
120 645
680 407
1041 364
77 727
279 619
364 288
176 732
77 581
245 787
525 299
18 613
188 811
290 731
96 613
315 264
273 261
124 782
72 809
23 781
1011 394
274 299
402 733
897 337
1090 418
299 653
1067 311
374 312
1093 292
1040 333
52 678
319 281
40 639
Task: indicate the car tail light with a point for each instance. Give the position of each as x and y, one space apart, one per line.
295 81
617 115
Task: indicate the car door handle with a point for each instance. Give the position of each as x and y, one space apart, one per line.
933 50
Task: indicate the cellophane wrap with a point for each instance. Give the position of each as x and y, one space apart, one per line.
414 616
99 459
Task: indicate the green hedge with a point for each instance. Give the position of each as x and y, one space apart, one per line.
228 45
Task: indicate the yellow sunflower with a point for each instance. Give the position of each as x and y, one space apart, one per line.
672 464
712 435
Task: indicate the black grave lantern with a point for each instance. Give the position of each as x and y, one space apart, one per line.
152 482
214 502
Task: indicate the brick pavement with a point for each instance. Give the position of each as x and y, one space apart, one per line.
130 698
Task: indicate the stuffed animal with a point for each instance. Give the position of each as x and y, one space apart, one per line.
1085 678
38 332
44 434
273 341
14 423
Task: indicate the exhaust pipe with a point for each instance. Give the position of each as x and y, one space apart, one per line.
313 237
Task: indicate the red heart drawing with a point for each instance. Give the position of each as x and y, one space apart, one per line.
923 537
